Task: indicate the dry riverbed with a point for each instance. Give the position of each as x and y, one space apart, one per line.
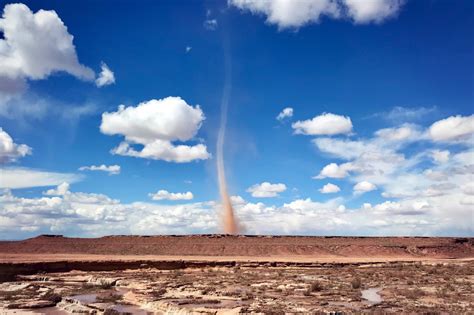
410 287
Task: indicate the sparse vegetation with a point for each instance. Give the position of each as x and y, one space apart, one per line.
413 294
158 292
316 287
106 285
53 297
356 283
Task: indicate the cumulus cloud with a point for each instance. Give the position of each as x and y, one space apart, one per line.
401 174
91 214
34 46
376 159
9 150
408 208
285 113
295 14
111 169
454 128
329 189
266 190
155 124
290 14
364 11
166 195
363 187
237 200
324 124
106 76
15 178
333 170
60 190
94 214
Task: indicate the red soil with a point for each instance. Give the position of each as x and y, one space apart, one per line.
247 246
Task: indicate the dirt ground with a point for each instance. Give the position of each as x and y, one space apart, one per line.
247 246
299 276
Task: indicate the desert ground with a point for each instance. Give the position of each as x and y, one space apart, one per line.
222 274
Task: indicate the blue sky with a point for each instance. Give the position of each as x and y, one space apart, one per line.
381 97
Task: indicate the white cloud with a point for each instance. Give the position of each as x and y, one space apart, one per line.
166 195
210 24
89 214
111 169
363 187
454 128
435 175
61 190
237 200
9 150
440 156
288 13
375 159
406 132
266 190
164 150
329 189
295 14
468 188
15 178
333 170
367 205
324 124
285 113
188 49
467 201
398 173
156 124
366 11
307 205
106 76
341 148
34 46
409 207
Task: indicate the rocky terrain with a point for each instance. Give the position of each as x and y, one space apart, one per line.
296 275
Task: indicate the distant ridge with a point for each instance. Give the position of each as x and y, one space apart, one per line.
246 245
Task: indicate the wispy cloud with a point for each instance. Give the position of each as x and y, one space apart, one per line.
111 169
285 113
400 114
210 24
32 107
16 177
